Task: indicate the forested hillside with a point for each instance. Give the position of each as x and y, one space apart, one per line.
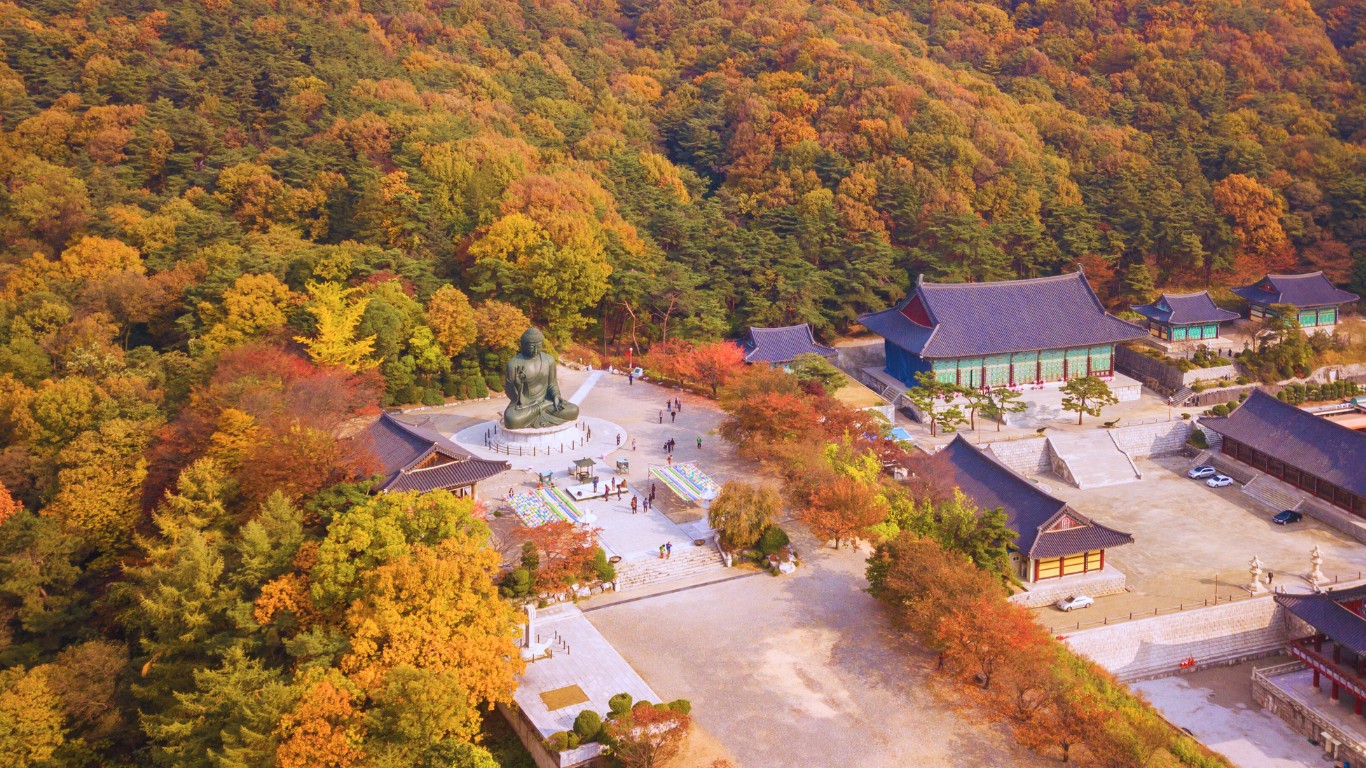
228 227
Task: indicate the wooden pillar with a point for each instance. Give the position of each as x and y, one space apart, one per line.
1318 642
1334 694
1316 678
1337 653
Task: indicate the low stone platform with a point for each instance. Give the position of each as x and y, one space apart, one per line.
1106 581
597 439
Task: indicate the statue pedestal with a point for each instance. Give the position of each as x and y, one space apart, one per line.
539 441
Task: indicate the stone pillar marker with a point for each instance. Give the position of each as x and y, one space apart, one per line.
1316 576
1254 568
529 639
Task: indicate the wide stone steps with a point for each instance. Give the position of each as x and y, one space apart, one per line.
687 560
1092 459
1272 493
1180 396
1213 439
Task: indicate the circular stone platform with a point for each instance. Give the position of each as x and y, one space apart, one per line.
549 449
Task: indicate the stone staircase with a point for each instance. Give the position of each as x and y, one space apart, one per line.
1212 438
687 560
1091 459
1180 396
1200 459
1275 495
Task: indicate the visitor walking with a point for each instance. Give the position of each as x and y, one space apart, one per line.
661 551
672 417
668 550
678 405
631 379
595 485
633 443
661 417
635 504
671 459
652 490
699 442
619 439
1269 576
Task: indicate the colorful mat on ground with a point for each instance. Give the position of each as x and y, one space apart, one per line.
687 482
544 506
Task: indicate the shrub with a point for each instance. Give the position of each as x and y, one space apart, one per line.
1242 380
562 741
1185 417
588 725
619 705
432 396
1198 440
517 583
603 567
493 383
773 539
478 387
681 706
1220 410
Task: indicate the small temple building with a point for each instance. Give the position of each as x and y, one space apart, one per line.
1009 333
1055 541
780 346
414 459
1307 451
1185 317
1319 301
1336 647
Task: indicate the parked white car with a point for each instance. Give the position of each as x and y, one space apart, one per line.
1219 481
1201 472
1076 601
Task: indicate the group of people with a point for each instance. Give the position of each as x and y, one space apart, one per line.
674 407
666 550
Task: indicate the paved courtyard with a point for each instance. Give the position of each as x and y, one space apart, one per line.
1187 534
802 670
1216 705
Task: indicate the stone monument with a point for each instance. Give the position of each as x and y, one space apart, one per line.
1316 576
533 390
1254 568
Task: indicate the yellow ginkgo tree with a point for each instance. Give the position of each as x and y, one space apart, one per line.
337 315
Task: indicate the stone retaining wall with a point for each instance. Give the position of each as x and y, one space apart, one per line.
1106 582
1030 456
1162 439
1155 647
1169 377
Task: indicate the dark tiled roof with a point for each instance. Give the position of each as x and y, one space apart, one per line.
1310 443
398 448
450 475
1324 613
1311 290
1029 511
781 345
975 319
1184 309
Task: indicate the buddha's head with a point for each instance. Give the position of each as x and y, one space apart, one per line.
532 341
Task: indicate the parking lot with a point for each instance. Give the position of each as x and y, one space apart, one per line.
1192 541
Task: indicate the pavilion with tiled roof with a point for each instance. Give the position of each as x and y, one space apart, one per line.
1297 447
1054 539
1010 333
779 346
1319 301
1185 317
1336 619
410 458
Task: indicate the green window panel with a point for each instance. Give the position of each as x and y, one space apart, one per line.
998 370
1076 362
1100 358
946 371
1050 360
1179 333
1328 316
1309 318
970 371
1212 331
1025 367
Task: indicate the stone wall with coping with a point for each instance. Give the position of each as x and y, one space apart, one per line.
1031 456
1106 582
1162 439
1169 377
1155 647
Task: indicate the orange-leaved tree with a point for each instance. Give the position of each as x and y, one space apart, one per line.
981 633
648 736
712 364
566 553
843 508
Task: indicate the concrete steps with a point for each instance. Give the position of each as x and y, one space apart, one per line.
1092 459
687 560
1272 493
1180 396
1212 438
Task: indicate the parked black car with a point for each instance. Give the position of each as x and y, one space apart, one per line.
1287 516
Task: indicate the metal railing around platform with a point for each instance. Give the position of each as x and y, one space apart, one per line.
1189 606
